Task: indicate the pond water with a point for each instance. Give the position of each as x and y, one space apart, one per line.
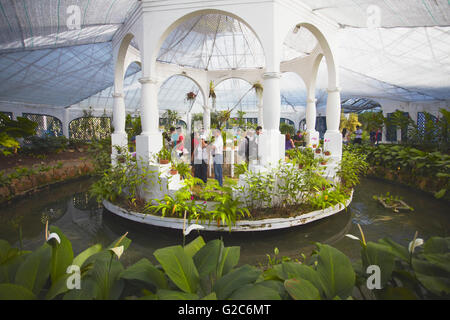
86 223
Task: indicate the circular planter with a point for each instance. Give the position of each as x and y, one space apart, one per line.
173 172
164 161
241 226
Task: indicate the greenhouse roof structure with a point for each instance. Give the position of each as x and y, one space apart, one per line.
45 59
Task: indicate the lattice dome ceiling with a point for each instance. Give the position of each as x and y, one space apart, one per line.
42 61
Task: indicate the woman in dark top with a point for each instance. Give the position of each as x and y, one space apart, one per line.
289 144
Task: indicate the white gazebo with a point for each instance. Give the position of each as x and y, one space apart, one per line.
153 34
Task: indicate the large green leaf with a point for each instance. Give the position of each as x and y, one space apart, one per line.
194 246
290 270
301 289
175 295
144 271
207 258
10 291
228 260
105 274
398 293
255 292
276 285
335 272
234 280
34 271
62 255
432 277
4 249
398 250
89 291
11 264
179 267
58 287
83 256
379 255
437 245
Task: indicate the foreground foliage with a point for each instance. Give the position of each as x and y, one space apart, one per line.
211 271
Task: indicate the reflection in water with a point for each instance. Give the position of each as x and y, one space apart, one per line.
85 223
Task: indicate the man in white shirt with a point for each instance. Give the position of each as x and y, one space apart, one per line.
200 158
217 152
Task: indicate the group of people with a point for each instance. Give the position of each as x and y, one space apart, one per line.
200 155
175 140
202 149
375 136
290 142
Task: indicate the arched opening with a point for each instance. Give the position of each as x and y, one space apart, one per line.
181 94
293 93
88 128
46 125
236 94
211 40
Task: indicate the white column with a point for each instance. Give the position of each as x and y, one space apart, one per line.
119 137
312 137
271 142
44 123
260 112
206 118
189 123
119 113
65 123
150 140
333 137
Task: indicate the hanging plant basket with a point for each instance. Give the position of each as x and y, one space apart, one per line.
164 161
327 153
318 151
173 172
190 96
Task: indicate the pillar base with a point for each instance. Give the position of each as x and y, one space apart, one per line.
271 148
312 138
332 142
147 145
119 140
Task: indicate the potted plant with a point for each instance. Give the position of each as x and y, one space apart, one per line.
323 161
173 170
164 156
327 153
318 150
314 146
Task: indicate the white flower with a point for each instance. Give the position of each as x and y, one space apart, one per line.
413 244
53 236
117 251
352 237
192 227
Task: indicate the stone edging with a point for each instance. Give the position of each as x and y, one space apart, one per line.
35 182
241 226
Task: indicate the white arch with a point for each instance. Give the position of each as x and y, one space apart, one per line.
190 78
191 14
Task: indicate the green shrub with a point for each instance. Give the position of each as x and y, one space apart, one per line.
45 145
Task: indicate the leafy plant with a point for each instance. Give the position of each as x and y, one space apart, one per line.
11 130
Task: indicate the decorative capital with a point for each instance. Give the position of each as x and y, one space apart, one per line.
272 75
117 95
337 89
146 80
